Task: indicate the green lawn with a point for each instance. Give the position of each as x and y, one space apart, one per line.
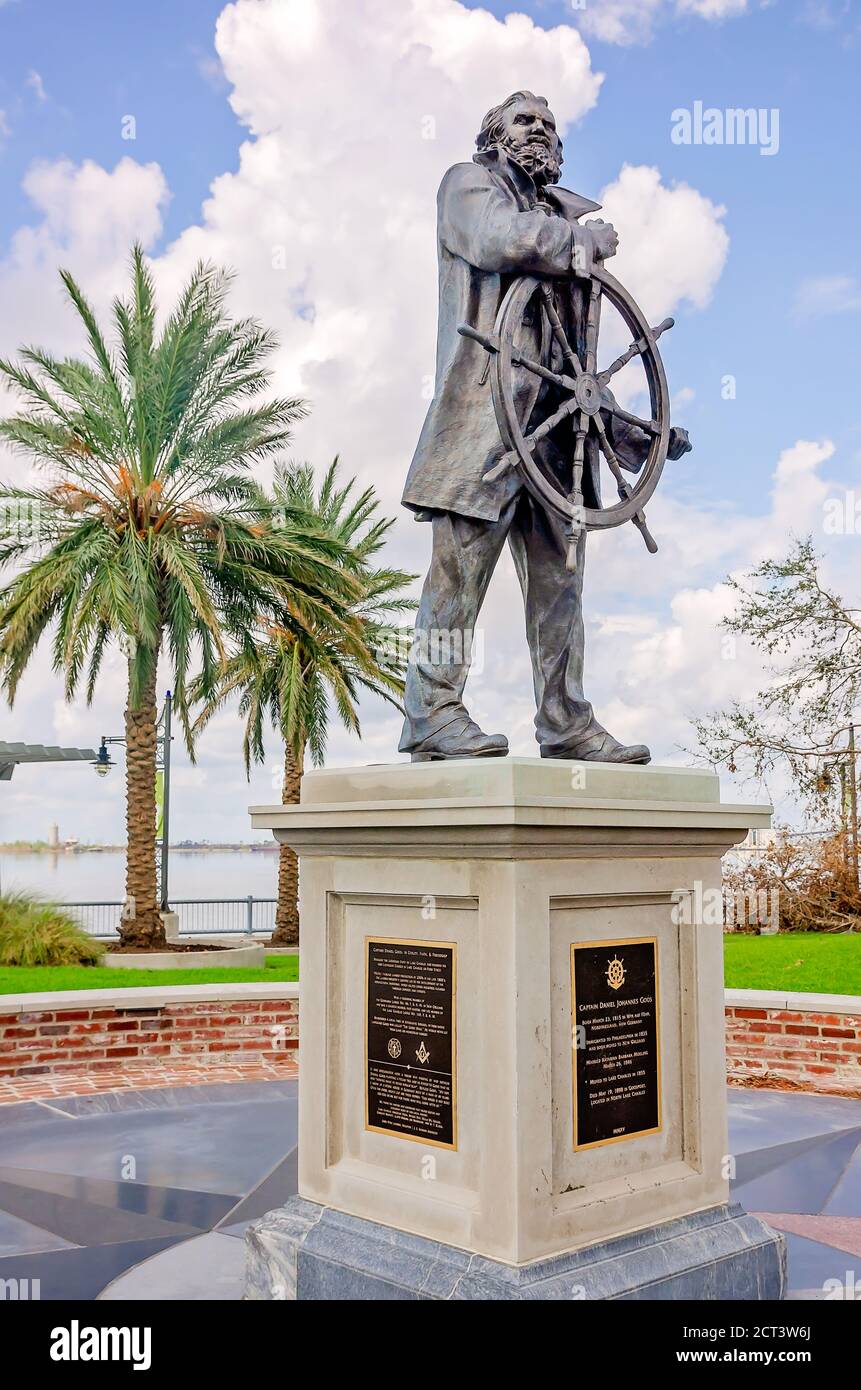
808 963
804 962
21 979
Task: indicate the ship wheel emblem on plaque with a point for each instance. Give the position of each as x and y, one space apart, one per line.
394 1047
422 1052
583 422
615 973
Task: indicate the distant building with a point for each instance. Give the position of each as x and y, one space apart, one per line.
756 841
54 837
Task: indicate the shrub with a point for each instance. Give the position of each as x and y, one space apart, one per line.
33 932
811 882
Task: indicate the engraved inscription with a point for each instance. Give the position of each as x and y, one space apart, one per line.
616 1057
410 1040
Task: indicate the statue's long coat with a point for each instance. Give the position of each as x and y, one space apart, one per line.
492 228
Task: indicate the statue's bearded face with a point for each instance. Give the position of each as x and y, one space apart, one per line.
529 136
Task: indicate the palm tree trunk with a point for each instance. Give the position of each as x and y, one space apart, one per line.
286 931
142 925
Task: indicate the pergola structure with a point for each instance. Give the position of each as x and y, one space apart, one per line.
11 754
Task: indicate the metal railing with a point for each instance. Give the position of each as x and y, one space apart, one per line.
197 916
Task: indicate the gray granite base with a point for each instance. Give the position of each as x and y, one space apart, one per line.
306 1251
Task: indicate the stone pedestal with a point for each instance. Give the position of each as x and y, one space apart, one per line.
512 1075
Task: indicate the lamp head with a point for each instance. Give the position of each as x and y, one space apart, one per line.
103 762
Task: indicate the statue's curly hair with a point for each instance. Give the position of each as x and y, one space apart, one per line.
493 131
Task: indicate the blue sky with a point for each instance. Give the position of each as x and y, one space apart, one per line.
792 217
99 61
782 316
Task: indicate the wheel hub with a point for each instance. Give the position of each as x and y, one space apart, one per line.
587 393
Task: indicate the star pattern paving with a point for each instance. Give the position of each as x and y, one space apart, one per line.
147 1194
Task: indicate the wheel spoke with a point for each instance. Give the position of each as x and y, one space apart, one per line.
556 324
550 423
633 351
512 458
564 382
592 324
624 488
647 426
491 346
610 455
575 496
638 347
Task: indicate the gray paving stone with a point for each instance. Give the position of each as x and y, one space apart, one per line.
208 1268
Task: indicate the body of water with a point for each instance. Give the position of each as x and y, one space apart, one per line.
69 878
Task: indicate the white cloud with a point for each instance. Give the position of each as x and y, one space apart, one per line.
656 655
712 9
210 70
673 245
672 250
799 492
677 661
88 219
634 21
801 461
826 14
619 21
87 208
36 85
680 399
824 295
332 209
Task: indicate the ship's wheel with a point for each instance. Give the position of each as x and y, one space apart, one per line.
587 400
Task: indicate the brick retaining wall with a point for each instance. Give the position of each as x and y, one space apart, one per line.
86 1034
813 1041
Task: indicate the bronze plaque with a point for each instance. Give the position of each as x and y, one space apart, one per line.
616 1036
410 1053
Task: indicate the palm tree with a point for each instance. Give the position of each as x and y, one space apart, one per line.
152 532
290 672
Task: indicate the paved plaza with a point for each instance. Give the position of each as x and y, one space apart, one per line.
147 1193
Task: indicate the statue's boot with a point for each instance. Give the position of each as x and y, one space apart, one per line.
601 748
462 740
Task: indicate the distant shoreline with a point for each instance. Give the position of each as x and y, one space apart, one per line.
43 849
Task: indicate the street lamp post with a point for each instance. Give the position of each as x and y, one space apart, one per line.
103 765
